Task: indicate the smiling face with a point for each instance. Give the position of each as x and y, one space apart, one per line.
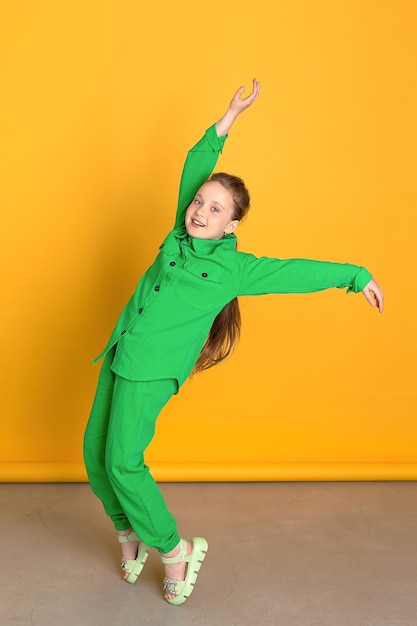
210 215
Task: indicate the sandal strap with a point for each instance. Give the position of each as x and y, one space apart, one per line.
127 565
132 536
133 567
174 586
181 557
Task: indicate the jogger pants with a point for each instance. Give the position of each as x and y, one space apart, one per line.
121 426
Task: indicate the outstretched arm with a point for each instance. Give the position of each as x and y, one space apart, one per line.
266 275
237 105
374 295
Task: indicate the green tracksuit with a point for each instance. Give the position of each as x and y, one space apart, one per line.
159 336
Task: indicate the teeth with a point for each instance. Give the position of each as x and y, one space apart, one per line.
197 223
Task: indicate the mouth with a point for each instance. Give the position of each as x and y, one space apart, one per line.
197 223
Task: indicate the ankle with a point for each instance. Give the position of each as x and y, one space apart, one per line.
174 552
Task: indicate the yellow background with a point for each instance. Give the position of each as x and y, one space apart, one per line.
100 102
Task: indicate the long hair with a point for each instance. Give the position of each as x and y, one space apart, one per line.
225 331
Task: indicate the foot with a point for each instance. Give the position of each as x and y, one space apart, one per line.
182 566
135 554
129 549
175 571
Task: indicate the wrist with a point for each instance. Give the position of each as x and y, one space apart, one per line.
226 122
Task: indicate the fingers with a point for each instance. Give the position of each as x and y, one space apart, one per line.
374 295
238 93
256 86
245 102
366 292
377 294
379 300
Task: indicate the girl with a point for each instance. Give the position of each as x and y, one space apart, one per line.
183 318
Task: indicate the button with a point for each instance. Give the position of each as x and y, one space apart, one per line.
123 332
172 263
204 274
140 310
157 288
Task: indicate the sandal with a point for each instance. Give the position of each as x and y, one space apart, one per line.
183 589
133 567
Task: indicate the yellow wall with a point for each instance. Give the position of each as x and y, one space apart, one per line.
100 102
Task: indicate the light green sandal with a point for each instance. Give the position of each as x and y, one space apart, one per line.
133 567
183 589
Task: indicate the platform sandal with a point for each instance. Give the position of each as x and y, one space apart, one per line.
183 589
133 567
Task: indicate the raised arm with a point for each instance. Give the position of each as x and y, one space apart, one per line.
202 158
198 166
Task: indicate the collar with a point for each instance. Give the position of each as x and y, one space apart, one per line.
208 246
199 246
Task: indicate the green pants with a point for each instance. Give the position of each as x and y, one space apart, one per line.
121 426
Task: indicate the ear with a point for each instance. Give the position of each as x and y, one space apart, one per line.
231 227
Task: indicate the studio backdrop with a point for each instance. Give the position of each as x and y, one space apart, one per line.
100 102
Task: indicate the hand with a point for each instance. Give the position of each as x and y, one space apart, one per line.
374 295
238 104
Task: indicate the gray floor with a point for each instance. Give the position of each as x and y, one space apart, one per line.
287 554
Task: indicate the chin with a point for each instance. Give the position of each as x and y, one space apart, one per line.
196 233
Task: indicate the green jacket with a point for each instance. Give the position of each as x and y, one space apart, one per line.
164 325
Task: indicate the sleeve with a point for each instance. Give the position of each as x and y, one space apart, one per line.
199 164
266 275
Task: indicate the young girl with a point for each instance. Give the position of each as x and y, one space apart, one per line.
183 318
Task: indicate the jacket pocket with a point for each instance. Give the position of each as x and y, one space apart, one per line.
206 272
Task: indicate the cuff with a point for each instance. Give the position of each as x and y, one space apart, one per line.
360 280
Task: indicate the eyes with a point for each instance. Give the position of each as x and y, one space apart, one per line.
213 209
